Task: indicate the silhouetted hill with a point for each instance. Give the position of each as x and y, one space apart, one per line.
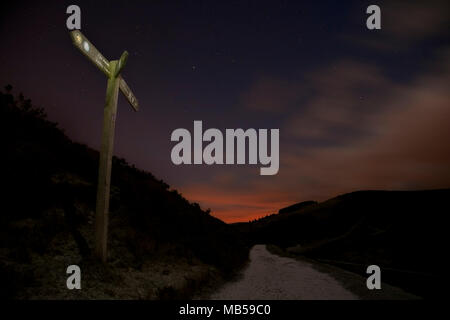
297 206
404 232
47 211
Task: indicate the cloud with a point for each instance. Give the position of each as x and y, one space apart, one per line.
408 147
405 24
270 94
344 94
414 20
400 141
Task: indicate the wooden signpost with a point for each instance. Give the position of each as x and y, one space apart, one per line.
112 70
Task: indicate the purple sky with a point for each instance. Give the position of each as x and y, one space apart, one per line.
356 109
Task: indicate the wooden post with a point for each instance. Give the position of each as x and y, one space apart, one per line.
104 173
112 70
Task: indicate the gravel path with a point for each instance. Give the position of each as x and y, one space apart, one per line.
273 277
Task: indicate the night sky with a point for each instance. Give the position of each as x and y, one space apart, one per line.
357 109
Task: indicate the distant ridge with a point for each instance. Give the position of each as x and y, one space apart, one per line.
404 232
297 206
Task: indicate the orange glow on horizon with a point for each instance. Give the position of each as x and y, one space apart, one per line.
231 208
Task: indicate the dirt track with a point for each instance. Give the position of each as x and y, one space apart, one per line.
269 276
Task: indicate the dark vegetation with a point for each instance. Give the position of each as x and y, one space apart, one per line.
48 202
162 246
403 232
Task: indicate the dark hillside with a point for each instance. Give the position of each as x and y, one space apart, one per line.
404 232
48 203
297 206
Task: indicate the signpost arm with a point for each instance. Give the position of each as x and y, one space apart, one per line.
121 64
104 175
